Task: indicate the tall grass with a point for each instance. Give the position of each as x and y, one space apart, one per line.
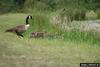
41 23
88 37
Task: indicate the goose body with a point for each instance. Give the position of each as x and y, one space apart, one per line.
20 28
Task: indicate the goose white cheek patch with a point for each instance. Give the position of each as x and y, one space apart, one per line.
29 17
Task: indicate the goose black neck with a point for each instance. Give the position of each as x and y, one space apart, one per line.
27 20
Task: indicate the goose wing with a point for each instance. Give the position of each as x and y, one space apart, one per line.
20 28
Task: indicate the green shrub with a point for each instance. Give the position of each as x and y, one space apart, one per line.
98 13
91 15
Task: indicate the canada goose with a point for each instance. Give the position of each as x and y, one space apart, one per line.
37 34
20 28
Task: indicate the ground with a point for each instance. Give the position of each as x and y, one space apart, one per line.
28 52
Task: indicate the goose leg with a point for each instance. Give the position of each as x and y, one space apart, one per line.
19 34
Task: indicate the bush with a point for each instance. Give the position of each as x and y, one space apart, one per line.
98 13
91 15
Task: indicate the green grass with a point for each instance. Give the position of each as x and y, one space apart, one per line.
88 37
40 23
28 52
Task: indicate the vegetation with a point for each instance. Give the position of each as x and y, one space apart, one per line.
65 43
49 4
28 52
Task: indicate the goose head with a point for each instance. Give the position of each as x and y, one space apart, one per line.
28 17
